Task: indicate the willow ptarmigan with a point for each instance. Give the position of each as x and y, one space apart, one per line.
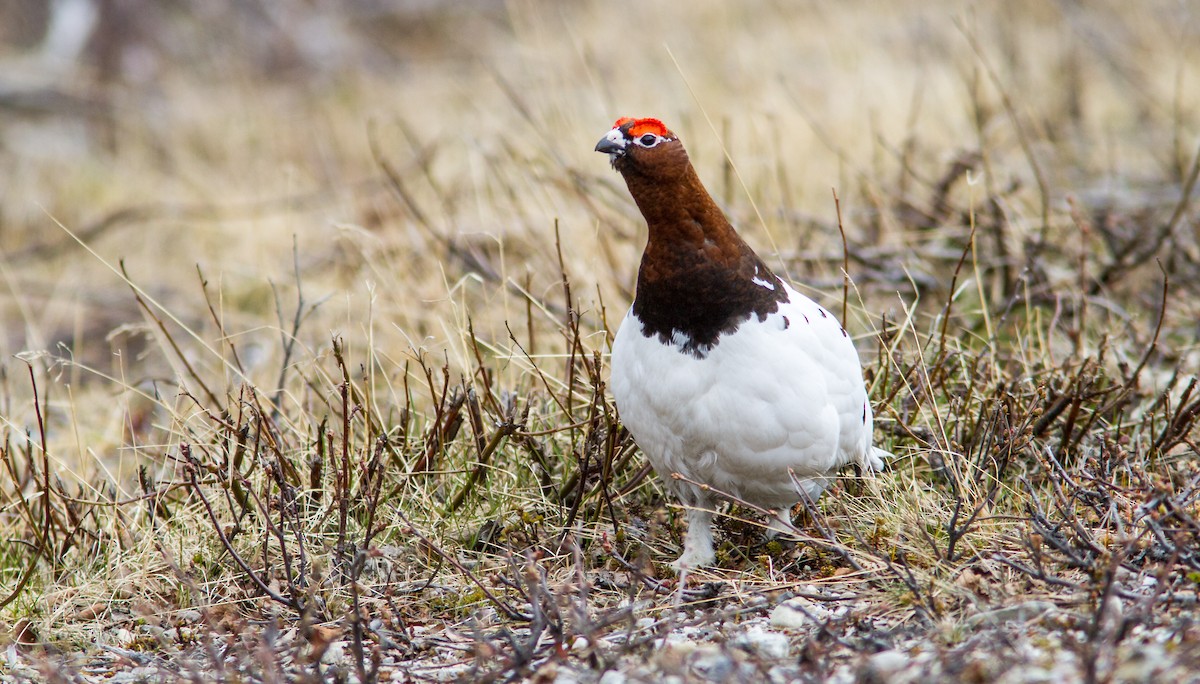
721 371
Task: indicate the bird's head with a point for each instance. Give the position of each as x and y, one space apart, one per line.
643 146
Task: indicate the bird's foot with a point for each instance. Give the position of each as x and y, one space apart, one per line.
781 525
692 559
876 458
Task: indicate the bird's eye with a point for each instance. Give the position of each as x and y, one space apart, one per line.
648 139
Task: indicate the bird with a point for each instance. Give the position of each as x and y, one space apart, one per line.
728 379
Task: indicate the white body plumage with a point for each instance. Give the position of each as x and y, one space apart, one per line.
777 397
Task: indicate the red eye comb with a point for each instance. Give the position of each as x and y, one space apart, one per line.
639 127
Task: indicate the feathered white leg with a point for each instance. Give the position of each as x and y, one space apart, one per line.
698 542
781 524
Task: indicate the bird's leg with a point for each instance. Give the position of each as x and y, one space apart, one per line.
781 523
698 542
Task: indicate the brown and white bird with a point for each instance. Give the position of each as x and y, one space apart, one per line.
721 371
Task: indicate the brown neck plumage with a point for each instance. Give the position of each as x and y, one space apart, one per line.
698 279
685 223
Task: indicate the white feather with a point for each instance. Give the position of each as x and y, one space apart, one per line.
763 283
779 396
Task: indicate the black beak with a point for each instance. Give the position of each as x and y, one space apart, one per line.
609 147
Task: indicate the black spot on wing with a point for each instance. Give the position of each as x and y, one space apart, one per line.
786 323
864 418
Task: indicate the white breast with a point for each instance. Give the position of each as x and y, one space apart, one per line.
778 395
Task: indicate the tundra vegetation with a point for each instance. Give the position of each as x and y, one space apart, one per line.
307 309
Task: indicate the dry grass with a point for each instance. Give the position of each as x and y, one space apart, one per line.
306 350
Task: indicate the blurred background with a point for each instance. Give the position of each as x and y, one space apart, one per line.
404 165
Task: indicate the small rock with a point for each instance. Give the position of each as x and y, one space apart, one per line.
677 647
714 665
885 666
189 617
797 613
335 654
137 674
1144 664
612 677
1022 612
153 631
764 642
548 672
